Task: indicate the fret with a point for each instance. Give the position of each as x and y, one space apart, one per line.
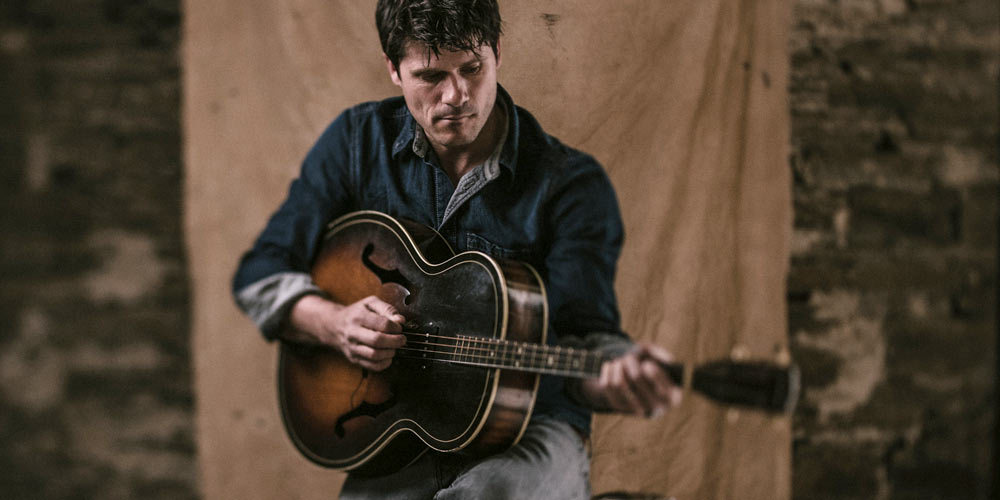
504 348
514 350
588 363
536 358
498 347
592 363
517 355
501 347
450 348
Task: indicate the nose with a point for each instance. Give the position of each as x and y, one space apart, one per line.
455 92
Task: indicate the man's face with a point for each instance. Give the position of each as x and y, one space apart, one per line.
450 95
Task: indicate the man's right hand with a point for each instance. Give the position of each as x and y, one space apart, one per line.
367 332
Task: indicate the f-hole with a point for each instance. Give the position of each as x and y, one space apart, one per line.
387 275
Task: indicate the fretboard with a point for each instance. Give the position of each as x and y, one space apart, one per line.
761 385
496 353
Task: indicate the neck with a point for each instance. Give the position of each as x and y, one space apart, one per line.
456 162
499 353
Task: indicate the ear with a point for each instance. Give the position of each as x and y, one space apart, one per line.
499 53
393 71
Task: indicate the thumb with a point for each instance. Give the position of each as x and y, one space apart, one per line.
656 352
383 308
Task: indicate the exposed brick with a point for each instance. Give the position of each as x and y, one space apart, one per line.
882 217
96 400
854 476
979 210
894 162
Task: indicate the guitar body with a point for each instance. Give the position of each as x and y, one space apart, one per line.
345 417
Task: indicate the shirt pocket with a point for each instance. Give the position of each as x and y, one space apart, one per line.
475 242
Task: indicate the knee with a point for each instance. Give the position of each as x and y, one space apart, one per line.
495 486
506 485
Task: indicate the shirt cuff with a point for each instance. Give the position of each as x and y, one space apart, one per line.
268 302
612 344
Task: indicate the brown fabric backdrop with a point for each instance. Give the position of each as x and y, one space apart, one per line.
683 101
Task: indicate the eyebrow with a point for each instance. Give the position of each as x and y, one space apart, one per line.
420 73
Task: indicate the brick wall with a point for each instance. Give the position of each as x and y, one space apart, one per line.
95 389
892 291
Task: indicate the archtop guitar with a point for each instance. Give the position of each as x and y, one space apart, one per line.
467 378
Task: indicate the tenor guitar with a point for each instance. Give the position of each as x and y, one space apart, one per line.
467 378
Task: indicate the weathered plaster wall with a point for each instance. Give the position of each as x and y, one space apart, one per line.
95 394
683 102
892 290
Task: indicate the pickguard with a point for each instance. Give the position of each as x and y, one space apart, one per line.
387 276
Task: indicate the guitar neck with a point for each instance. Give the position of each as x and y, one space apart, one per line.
505 354
755 384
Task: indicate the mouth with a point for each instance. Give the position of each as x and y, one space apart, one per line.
453 118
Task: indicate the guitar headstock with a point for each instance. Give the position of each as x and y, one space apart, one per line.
760 385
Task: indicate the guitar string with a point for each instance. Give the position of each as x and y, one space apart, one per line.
529 369
565 371
470 343
542 352
481 340
591 361
493 355
588 358
474 343
768 405
537 355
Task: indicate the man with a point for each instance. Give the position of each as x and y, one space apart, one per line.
456 154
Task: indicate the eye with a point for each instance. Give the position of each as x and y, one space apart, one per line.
472 70
431 77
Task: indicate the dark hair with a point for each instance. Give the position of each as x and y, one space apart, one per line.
456 25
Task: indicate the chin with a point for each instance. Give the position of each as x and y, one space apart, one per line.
452 140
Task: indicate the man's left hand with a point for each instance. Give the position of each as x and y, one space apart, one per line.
634 383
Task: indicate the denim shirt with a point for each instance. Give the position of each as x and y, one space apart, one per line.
536 200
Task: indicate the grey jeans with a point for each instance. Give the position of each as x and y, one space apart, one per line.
550 462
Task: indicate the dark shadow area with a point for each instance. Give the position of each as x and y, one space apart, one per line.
96 387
